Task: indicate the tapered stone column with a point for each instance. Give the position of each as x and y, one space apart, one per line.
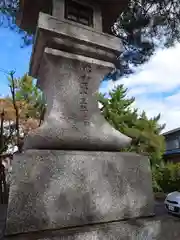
73 120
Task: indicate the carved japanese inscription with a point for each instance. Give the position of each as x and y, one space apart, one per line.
84 99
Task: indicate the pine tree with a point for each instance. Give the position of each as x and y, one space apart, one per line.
30 96
144 131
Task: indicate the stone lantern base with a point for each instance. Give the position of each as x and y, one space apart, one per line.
156 228
64 189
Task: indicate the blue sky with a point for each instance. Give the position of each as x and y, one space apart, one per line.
155 85
12 57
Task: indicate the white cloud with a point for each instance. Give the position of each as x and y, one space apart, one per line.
156 86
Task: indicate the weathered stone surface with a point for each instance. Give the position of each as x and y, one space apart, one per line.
73 120
107 47
3 211
56 189
161 228
59 10
70 60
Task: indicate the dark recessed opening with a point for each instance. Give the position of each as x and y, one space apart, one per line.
79 13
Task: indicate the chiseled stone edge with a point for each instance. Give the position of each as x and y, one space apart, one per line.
161 228
43 221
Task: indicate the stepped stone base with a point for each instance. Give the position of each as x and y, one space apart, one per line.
56 189
154 228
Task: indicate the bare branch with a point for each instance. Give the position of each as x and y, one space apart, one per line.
13 94
1 132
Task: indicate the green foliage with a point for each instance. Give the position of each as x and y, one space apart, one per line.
145 26
8 15
166 178
9 7
31 98
145 132
23 109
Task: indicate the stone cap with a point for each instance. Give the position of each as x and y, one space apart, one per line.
29 10
67 37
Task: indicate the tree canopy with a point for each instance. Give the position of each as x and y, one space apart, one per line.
144 131
144 26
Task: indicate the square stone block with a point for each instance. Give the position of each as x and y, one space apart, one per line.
57 189
153 228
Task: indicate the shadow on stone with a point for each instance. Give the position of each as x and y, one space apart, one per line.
57 189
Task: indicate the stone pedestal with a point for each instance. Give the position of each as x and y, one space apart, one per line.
56 189
154 228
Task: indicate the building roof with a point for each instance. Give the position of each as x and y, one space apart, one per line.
171 131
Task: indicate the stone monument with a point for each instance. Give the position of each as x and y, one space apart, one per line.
72 181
